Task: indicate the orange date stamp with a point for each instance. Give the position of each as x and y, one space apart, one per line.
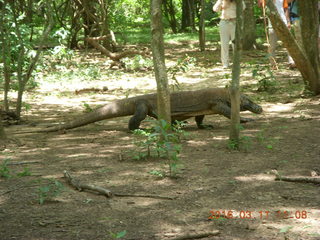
262 215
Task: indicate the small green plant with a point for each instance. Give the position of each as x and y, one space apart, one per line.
182 65
118 235
49 191
157 173
267 142
137 62
4 170
244 142
27 106
233 144
266 80
24 173
161 141
87 107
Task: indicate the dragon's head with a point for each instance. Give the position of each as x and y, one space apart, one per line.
247 104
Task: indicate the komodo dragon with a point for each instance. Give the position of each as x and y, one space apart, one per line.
184 105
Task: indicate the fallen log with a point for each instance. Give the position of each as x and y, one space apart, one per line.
315 180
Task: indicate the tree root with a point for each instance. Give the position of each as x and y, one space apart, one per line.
82 186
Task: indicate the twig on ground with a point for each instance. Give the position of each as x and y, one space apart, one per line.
21 163
143 195
81 186
196 235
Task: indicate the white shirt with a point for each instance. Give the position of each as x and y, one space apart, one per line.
279 6
228 9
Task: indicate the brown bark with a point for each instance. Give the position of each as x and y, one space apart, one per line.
202 32
188 15
170 14
6 55
114 56
234 89
309 71
23 78
157 45
249 32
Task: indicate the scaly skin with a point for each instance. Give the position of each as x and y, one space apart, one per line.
184 105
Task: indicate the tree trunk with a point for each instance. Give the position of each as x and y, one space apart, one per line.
304 58
188 16
170 14
22 74
309 20
234 89
157 45
249 32
6 55
202 32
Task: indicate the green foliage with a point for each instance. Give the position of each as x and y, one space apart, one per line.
182 65
157 173
137 63
49 191
61 53
4 170
266 80
26 106
163 141
87 107
118 235
285 229
24 173
244 142
267 142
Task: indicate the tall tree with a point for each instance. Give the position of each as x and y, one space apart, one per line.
202 32
188 15
19 60
170 14
157 46
249 32
234 88
305 55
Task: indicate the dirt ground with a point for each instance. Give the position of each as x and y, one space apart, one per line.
213 178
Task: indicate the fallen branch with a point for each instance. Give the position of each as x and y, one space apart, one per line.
143 195
22 163
81 186
103 50
196 235
315 180
86 90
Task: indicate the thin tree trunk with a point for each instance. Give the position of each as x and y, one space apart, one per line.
202 32
188 15
6 58
157 45
309 20
309 71
170 14
234 89
23 78
249 32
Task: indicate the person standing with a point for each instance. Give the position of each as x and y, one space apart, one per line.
295 24
282 8
227 27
